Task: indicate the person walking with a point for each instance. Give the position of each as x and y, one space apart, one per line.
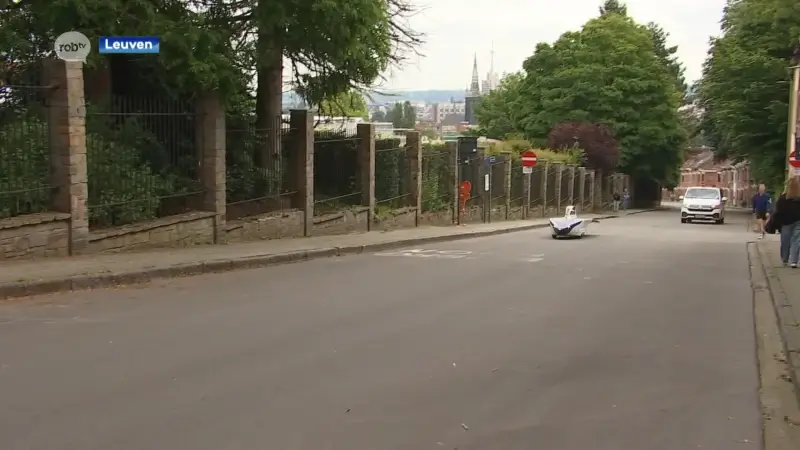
787 215
616 201
626 199
761 204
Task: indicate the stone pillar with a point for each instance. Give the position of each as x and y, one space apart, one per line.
452 160
366 166
66 115
507 181
592 188
597 196
559 176
581 188
414 174
545 178
301 165
210 137
571 187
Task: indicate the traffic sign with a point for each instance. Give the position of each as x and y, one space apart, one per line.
527 169
528 159
793 161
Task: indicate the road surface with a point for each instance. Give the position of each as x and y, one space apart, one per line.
640 337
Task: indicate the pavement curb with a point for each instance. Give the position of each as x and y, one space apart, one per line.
103 280
787 324
778 400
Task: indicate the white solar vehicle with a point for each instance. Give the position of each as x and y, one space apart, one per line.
570 225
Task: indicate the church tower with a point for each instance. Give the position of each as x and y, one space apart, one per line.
475 86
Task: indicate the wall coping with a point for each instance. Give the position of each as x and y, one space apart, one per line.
99 235
32 219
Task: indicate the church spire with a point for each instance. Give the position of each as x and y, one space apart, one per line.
475 87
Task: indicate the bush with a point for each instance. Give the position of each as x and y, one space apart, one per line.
436 179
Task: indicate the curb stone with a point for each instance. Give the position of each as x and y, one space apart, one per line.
105 280
788 328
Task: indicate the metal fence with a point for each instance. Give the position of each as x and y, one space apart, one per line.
142 159
437 180
336 169
25 170
470 170
391 173
256 169
587 191
551 199
518 197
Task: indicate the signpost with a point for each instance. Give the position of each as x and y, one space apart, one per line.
528 163
794 163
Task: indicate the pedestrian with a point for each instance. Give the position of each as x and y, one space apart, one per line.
626 199
616 201
787 215
761 204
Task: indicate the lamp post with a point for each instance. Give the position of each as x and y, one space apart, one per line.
792 125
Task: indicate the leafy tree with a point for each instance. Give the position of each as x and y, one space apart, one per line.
668 57
378 116
600 148
613 7
498 113
402 115
607 73
745 85
348 104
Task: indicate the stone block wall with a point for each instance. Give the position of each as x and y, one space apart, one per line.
34 236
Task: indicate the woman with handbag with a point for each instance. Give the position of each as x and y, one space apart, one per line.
787 216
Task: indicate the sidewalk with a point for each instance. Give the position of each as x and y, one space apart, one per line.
784 285
24 278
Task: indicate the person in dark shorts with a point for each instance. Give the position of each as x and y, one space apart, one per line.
761 204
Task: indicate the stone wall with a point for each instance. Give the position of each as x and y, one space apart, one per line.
34 235
287 224
171 232
343 222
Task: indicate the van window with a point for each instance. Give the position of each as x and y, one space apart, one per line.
703 194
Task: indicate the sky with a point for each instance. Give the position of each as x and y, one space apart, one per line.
457 29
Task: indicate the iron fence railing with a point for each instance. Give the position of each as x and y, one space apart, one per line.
142 159
336 170
257 181
391 174
25 155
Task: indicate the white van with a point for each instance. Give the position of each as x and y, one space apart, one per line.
703 203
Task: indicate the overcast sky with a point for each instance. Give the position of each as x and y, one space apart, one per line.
457 29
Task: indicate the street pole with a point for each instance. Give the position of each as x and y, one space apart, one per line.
791 127
527 195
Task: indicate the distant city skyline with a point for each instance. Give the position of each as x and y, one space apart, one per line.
457 31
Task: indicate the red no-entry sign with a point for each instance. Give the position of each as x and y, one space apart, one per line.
793 161
528 159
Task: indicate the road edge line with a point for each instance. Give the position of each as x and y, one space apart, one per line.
777 397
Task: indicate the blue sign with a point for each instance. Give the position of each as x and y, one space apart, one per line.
129 44
490 160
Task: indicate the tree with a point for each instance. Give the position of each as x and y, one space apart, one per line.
402 115
600 148
378 116
745 85
607 73
498 112
667 56
348 104
613 7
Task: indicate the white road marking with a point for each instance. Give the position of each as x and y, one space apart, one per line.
422 253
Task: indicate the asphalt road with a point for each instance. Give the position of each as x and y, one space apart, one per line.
639 337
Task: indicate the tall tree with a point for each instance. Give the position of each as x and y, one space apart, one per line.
608 74
613 7
498 113
745 85
668 57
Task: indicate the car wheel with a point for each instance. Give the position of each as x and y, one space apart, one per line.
721 221
554 236
683 220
